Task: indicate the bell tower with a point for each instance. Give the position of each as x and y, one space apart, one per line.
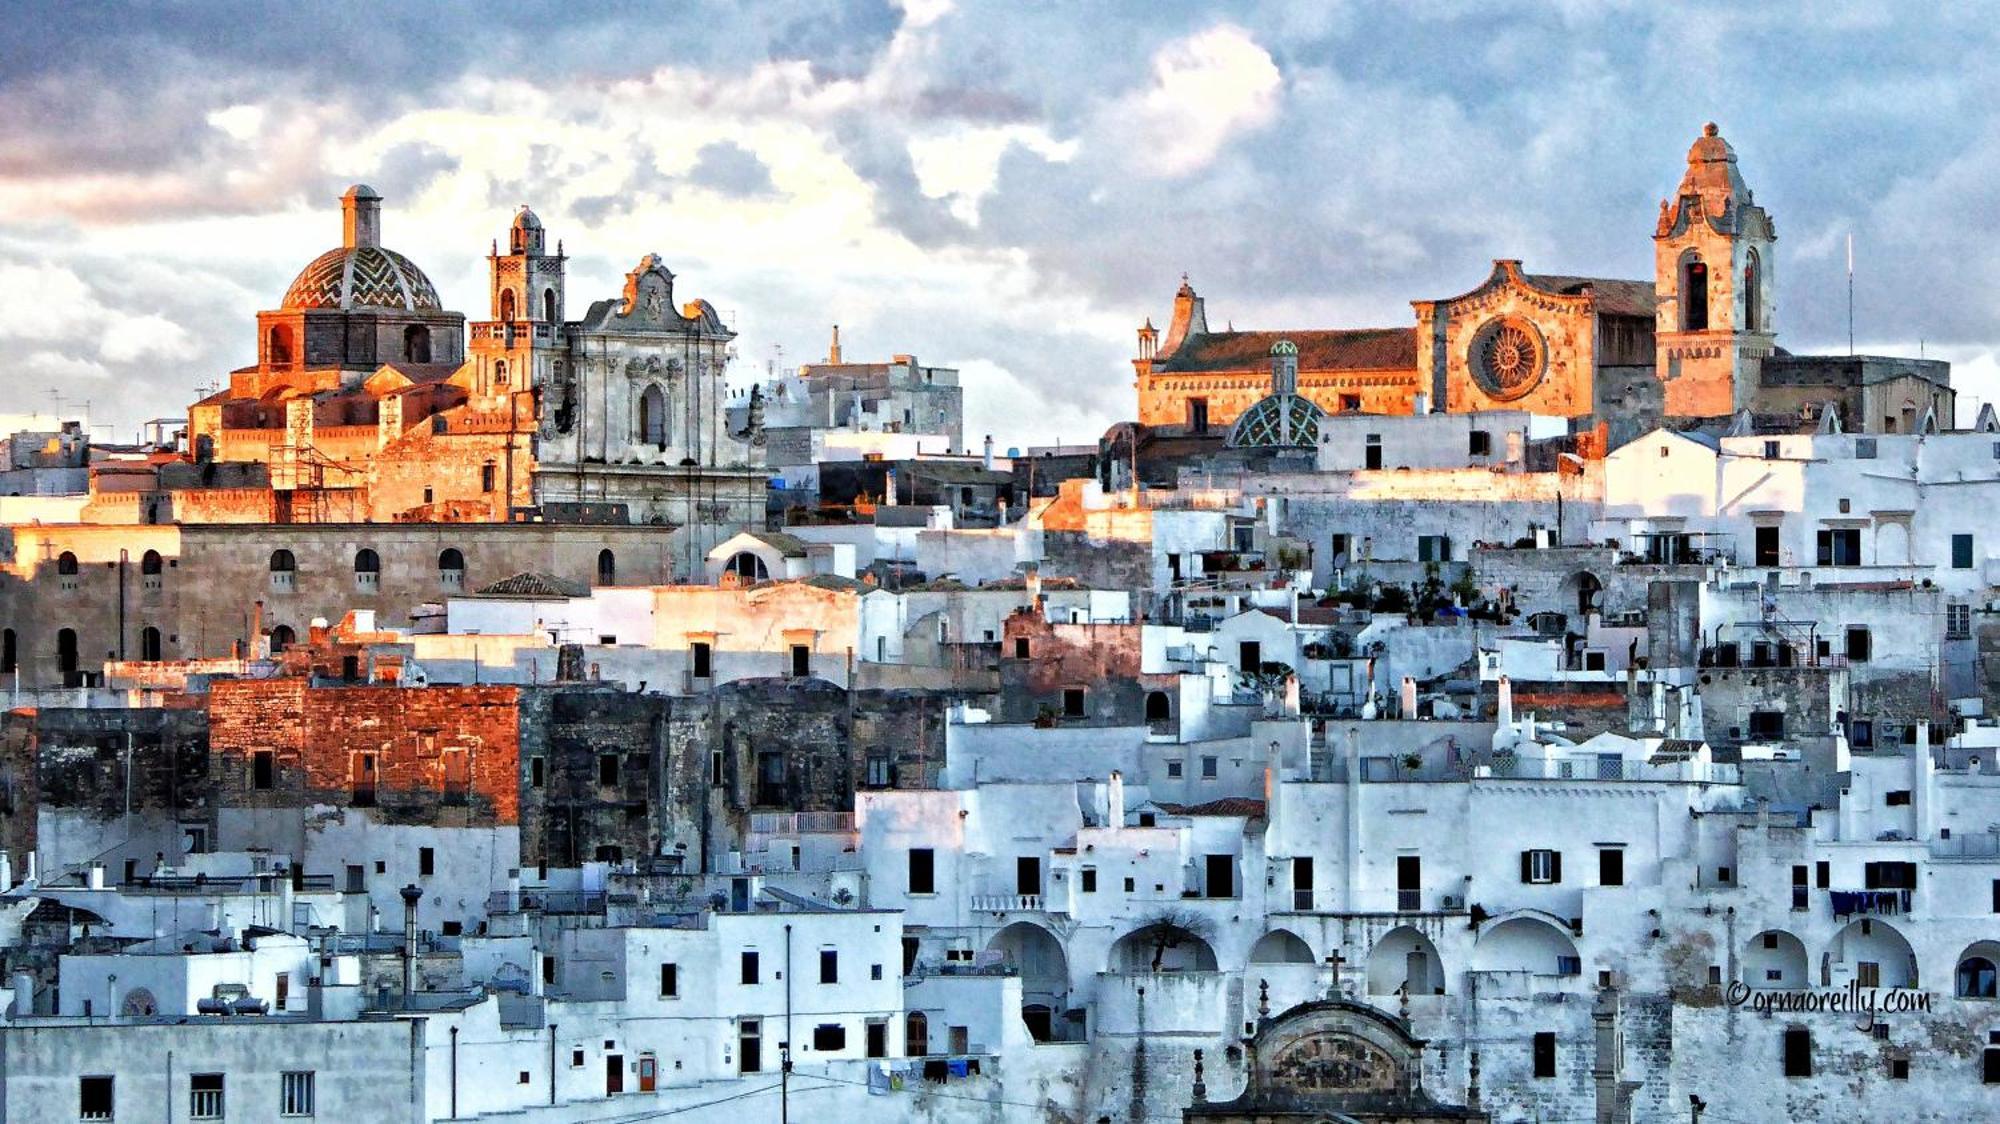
1713 286
521 347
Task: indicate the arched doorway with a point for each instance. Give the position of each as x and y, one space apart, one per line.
1035 953
607 567
1871 953
1405 957
67 660
1159 708
1775 959
149 644
916 1034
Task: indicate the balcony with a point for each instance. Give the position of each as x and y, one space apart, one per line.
1008 903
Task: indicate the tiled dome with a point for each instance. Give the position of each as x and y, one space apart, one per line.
1281 421
362 277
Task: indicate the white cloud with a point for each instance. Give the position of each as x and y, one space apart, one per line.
127 339
1206 90
962 165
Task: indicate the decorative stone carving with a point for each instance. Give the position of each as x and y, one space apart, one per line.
1508 357
1325 1063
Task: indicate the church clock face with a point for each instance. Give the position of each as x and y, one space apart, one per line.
1508 357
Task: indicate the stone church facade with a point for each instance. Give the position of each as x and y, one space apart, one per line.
1690 343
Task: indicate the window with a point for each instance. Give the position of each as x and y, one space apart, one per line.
1349 403
607 568
1840 546
94 1095
1611 866
1898 798
801 661
66 564
1072 702
1541 866
1857 644
607 769
1958 621
455 765
1132 884
703 658
451 568
426 861
1198 415
829 1036
1767 725
1694 295
1864 447
1545 1053
284 571
1249 656
263 768
1208 768
1433 548
1798 1052
1480 443
295 1093
670 981
874 971
749 968
1089 880
829 965
576 1058
537 771
361 780
205 1096
1371 451
1961 552
1020 647
1899 1069
10 658
487 477
1770 450
1173 770
923 871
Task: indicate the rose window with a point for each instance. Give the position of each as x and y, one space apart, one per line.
1507 358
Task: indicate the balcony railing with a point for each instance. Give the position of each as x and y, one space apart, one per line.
573 902
1409 901
1007 903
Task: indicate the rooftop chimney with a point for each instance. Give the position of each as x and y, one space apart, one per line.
411 896
361 217
1114 798
988 462
833 352
1506 703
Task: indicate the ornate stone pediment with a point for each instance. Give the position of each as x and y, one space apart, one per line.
1333 1063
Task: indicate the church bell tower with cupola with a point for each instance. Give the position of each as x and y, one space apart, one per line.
1715 297
521 348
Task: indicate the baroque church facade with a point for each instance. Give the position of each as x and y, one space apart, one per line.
371 402
1690 343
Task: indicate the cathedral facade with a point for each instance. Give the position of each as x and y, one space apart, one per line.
1689 343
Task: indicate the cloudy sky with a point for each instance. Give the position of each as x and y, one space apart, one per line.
1006 188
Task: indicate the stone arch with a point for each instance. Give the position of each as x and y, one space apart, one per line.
549 305
1753 292
282 562
66 564
1692 276
745 564
67 657
653 417
1526 943
1163 945
451 568
366 561
150 564
1281 946
1585 591
1405 957
149 644
1978 972
1159 707
607 567
1871 941
282 637
1775 959
1038 957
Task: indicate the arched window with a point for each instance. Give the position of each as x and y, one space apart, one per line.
150 563
1977 979
451 568
10 659
1753 294
1694 294
549 305
653 417
607 567
149 644
417 344
66 564
278 346
284 571
1158 707
499 372
747 565
507 306
916 1035
282 637
367 570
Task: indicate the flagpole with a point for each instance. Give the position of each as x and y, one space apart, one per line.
1850 293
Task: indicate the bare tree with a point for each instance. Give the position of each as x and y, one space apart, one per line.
1171 929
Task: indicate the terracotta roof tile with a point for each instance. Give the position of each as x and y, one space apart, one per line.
1614 297
1356 349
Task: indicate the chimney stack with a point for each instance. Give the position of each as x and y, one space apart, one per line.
411 896
1506 703
1409 698
1114 798
989 453
833 352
